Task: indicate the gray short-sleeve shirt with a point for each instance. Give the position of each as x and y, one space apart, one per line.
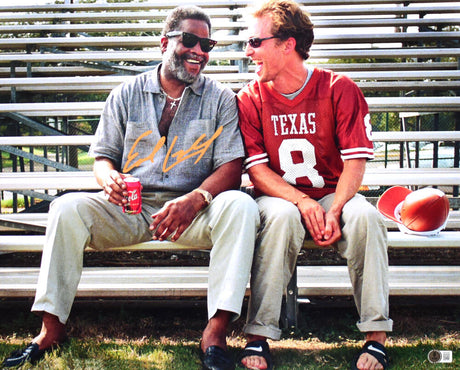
203 135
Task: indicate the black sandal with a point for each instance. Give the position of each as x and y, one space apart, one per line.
376 350
216 358
19 357
256 348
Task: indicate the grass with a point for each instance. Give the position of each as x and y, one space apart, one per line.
84 160
131 335
8 203
84 163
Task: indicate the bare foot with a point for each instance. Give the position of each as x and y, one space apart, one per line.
254 362
366 361
52 332
215 333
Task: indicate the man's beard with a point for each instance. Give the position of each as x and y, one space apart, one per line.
177 68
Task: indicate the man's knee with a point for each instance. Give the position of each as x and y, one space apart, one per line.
64 202
362 213
277 212
240 203
71 205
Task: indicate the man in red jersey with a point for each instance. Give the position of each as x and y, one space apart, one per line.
308 136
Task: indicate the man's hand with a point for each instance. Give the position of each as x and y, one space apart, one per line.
175 216
115 187
313 216
324 228
111 181
332 231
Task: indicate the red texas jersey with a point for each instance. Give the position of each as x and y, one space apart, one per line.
305 140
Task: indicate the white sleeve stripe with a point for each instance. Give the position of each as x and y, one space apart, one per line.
249 165
357 150
256 157
357 155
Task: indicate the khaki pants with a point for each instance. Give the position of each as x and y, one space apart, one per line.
280 239
79 220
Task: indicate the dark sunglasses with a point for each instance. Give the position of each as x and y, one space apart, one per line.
255 42
189 40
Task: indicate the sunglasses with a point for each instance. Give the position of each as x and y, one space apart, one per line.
189 40
255 42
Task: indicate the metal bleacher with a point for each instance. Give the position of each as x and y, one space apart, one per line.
58 63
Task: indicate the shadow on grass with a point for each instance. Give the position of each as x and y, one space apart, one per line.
136 336
91 354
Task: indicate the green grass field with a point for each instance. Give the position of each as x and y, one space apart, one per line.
118 336
84 161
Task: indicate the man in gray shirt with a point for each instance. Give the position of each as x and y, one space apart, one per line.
177 131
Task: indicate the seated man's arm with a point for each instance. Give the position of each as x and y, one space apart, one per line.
272 184
348 185
111 181
226 177
176 215
323 227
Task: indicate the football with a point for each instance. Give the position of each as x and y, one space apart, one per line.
425 209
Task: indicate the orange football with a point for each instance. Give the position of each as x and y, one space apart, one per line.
425 209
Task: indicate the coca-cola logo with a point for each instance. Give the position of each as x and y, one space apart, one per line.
132 195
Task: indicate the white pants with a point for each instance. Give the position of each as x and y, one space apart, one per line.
280 238
80 220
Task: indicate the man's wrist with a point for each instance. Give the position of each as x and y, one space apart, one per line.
206 195
296 202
